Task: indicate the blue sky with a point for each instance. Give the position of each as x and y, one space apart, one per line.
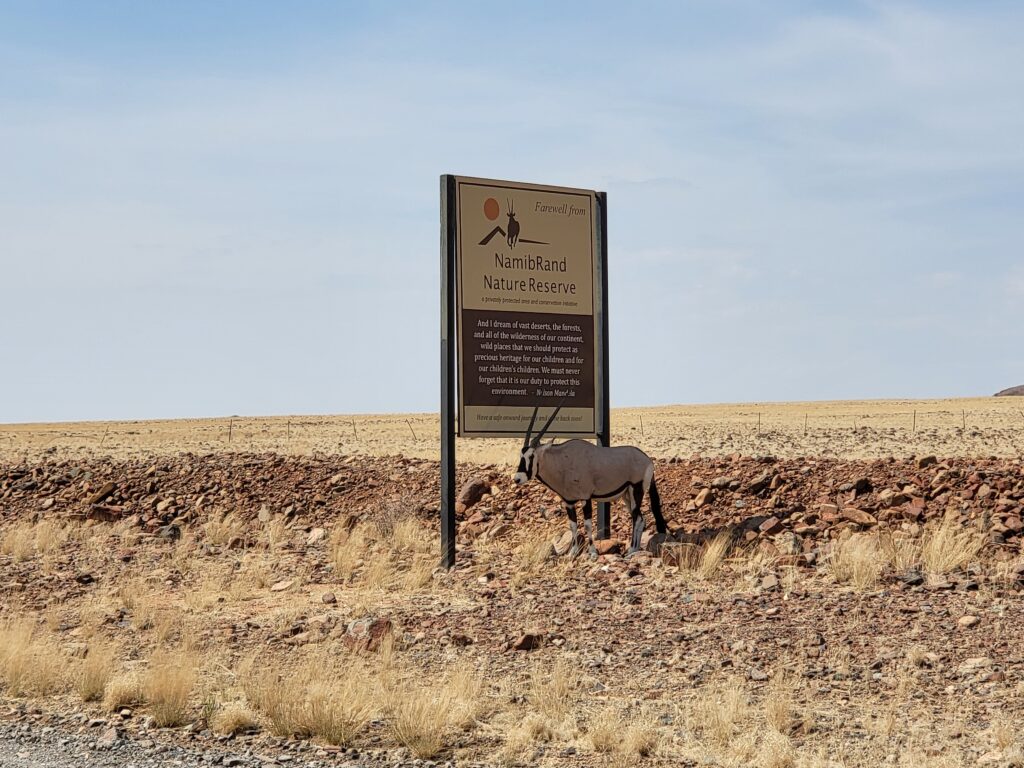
216 208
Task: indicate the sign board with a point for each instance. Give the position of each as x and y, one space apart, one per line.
527 282
524 318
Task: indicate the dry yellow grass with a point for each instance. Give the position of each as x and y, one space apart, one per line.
718 712
552 690
641 739
29 664
419 718
95 672
320 698
122 690
167 686
19 542
274 533
384 555
902 550
856 560
605 730
50 535
221 531
234 718
702 562
779 703
466 690
948 546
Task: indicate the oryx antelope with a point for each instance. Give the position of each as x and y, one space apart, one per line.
513 226
580 471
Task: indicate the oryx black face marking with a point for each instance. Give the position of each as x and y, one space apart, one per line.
579 471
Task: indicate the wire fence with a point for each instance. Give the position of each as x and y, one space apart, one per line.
996 429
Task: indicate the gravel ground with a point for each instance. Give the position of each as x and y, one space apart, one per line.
32 745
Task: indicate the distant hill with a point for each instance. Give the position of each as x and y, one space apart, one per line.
1011 392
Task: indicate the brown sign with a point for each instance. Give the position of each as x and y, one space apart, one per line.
527 337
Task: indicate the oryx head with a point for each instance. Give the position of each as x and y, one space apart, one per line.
527 456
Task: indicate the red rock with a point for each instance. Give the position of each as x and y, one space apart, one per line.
367 634
608 547
859 516
705 497
528 641
472 491
771 526
105 490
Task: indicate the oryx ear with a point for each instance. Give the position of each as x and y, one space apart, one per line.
529 429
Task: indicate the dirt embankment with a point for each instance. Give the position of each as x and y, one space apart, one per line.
756 497
806 658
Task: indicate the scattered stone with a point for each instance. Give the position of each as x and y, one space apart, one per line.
169 532
965 622
974 665
912 577
528 641
104 491
329 598
608 547
316 536
107 739
859 516
563 543
282 585
498 531
368 633
472 491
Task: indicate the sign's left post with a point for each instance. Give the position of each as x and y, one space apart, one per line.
448 341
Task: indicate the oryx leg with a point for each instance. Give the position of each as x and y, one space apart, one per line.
634 498
589 526
570 512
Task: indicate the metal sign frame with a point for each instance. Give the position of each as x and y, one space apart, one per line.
449 345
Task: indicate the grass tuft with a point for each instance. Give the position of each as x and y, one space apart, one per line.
28 664
97 668
123 690
856 560
233 719
320 699
167 687
948 546
419 719
605 731
552 692
718 713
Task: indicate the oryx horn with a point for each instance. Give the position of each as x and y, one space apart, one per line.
551 418
529 429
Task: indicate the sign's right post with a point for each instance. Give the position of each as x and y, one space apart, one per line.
604 432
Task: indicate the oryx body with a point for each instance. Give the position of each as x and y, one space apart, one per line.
580 471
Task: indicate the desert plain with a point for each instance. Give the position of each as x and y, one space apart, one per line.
841 585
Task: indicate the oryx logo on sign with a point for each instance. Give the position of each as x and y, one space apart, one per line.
511 234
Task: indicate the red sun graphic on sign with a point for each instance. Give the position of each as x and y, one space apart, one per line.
491 208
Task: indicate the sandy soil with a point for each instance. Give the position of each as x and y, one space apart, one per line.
850 429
